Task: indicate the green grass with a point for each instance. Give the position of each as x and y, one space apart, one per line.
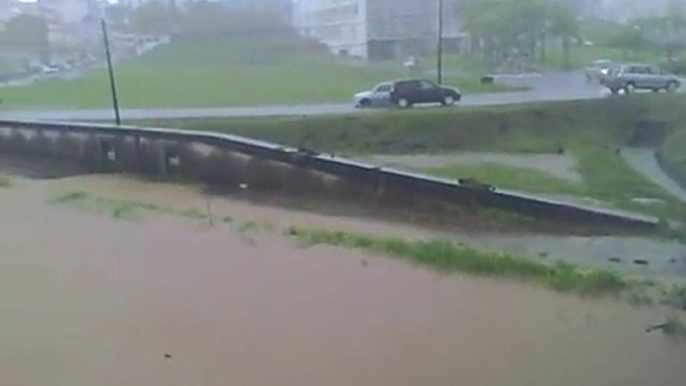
131 209
533 127
448 257
673 151
605 177
121 209
5 182
674 326
608 178
508 177
201 75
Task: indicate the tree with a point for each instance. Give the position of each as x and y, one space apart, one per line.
665 32
207 19
566 27
118 15
28 33
153 17
631 39
517 27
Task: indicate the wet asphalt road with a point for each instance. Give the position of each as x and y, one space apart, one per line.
545 87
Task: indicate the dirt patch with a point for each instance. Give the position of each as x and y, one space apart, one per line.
170 302
557 165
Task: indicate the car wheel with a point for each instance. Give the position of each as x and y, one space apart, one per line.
630 88
672 86
614 91
365 103
403 103
449 100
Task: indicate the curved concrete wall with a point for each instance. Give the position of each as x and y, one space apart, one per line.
236 161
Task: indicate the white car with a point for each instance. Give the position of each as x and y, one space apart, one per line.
379 96
49 69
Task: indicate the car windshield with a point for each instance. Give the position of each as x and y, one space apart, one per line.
384 87
342 193
602 64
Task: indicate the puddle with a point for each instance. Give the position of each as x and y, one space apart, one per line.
96 301
557 165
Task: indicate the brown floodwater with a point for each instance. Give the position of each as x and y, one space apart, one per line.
91 300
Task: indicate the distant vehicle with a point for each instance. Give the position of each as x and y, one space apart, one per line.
598 69
379 96
49 69
632 77
409 92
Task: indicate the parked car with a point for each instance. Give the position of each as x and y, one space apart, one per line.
598 69
379 96
632 77
406 93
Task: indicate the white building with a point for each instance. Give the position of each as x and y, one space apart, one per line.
375 29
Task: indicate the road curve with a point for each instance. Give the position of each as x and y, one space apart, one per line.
545 87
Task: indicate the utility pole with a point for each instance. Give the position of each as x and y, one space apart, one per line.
439 69
110 70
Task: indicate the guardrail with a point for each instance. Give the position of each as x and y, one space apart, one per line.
105 144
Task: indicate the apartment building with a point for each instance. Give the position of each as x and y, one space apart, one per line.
376 29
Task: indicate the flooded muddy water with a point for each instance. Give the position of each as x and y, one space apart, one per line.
91 300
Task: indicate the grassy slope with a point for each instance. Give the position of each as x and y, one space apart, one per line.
591 130
508 177
208 75
536 127
674 150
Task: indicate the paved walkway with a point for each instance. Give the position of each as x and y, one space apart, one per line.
644 162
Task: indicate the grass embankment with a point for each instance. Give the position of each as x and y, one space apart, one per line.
508 177
673 152
448 257
217 74
131 210
534 127
605 177
591 131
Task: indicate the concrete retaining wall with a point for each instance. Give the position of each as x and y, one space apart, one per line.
235 162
